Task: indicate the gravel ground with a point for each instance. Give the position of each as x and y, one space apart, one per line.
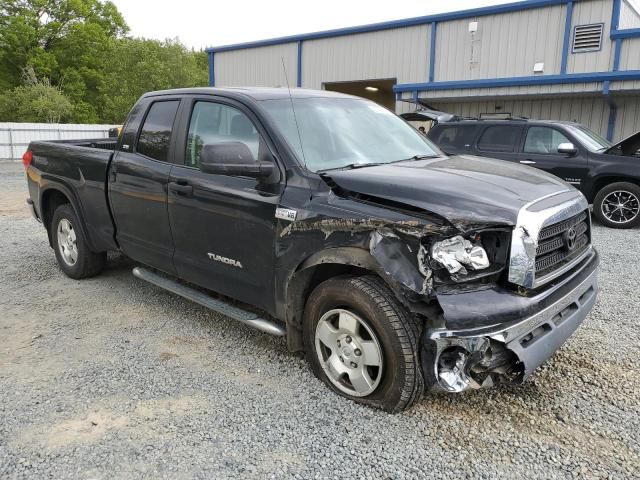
113 378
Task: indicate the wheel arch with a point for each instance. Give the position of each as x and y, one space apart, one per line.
602 181
50 199
316 269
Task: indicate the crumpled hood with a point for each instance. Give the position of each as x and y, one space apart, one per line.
466 190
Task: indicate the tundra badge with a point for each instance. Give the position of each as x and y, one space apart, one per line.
225 260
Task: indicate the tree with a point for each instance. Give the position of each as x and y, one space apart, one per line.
81 48
140 66
37 101
64 40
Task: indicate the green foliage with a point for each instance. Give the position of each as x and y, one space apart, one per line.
81 47
138 66
38 101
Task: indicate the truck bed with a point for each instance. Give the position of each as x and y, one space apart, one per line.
79 168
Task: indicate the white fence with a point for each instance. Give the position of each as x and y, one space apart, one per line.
15 137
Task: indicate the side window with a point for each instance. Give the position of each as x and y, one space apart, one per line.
218 123
455 136
156 131
499 138
543 140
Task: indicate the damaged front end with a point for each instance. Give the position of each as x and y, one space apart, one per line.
507 352
480 327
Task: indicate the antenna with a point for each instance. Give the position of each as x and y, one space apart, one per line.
293 109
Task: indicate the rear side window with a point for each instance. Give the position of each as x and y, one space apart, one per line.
454 136
499 138
155 135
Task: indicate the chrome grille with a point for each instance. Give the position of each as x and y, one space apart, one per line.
561 242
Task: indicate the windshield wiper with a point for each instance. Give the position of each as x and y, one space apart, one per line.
417 157
351 166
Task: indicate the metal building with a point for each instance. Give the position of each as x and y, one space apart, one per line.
548 59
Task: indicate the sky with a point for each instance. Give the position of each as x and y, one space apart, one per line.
201 24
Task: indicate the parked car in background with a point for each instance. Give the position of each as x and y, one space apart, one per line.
608 175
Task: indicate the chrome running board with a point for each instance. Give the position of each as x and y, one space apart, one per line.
248 318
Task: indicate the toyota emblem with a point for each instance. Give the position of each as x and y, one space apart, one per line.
570 238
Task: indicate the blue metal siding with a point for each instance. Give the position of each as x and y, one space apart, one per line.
443 17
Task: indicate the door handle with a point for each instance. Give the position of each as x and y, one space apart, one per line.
181 189
527 162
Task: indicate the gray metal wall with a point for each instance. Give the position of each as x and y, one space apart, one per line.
629 18
401 53
505 45
630 54
628 121
15 137
586 12
257 66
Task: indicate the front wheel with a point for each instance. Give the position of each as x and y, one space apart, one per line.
363 344
618 205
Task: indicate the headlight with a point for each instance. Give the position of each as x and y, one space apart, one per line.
457 254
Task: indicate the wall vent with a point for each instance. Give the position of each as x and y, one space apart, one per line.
587 38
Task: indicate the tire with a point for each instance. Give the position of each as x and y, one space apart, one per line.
626 192
383 325
70 245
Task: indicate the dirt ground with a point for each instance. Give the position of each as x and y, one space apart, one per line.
113 378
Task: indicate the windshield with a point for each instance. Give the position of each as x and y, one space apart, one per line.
591 140
343 132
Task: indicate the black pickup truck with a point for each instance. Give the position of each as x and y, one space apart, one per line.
329 220
608 175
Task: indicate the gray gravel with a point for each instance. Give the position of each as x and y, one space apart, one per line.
113 378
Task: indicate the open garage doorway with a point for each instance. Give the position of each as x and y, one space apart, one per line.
380 91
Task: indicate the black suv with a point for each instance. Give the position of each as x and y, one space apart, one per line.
608 175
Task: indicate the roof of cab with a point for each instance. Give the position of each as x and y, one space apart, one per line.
256 93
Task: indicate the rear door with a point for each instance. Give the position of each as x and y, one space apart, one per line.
499 141
138 180
540 150
224 226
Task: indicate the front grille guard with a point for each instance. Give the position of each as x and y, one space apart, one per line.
524 240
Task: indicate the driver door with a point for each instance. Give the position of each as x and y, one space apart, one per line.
540 150
223 226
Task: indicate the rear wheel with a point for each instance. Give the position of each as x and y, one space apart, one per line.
618 205
70 245
363 344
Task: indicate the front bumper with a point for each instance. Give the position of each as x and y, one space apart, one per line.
474 357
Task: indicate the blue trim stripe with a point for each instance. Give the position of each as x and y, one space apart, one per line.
432 52
408 22
616 55
567 38
521 81
627 33
212 78
615 15
611 125
299 77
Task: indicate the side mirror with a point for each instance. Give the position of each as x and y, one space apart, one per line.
567 148
232 158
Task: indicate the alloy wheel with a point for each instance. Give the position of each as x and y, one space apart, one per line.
349 352
67 244
620 206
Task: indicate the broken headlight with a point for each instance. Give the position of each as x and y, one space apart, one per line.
464 258
457 254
